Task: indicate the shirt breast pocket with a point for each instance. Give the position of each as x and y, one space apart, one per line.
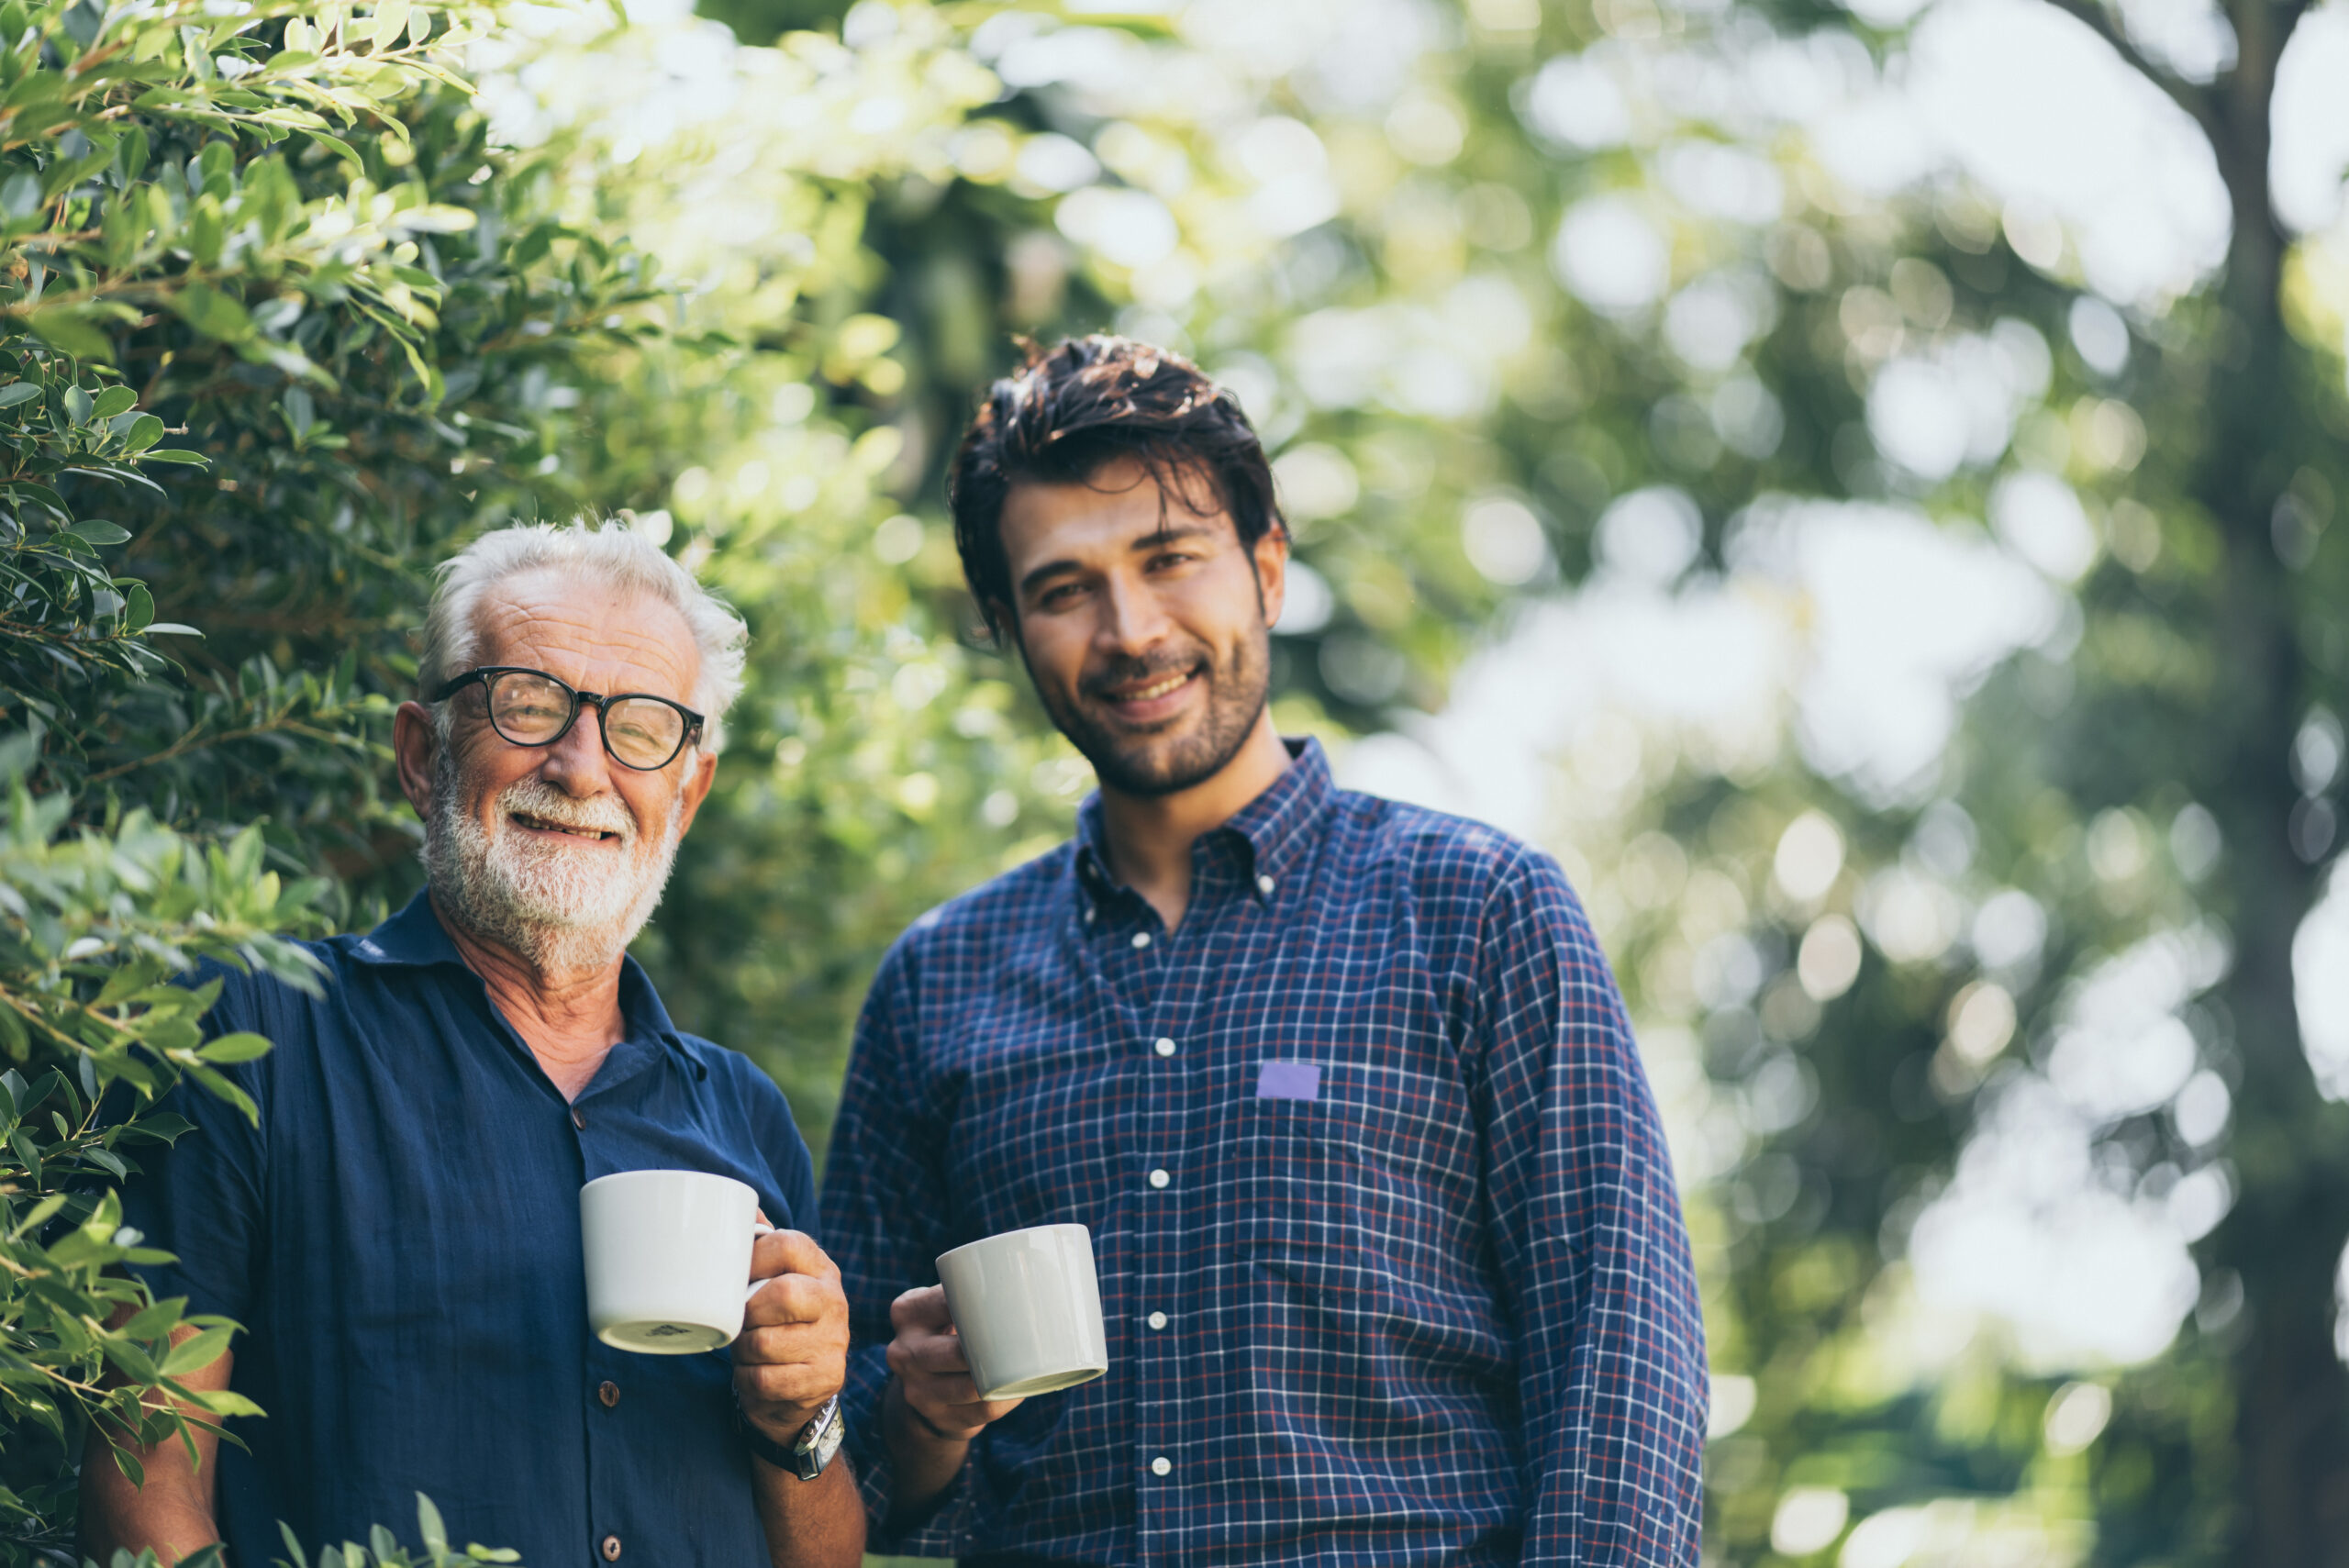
1350 1172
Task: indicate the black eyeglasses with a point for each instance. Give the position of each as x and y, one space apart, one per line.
531 707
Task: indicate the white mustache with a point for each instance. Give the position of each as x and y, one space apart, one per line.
536 798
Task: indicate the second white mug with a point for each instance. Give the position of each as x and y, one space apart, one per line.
1027 1306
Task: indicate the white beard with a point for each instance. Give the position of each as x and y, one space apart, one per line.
564 909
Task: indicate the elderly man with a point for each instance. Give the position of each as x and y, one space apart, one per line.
1390 1251
397 1229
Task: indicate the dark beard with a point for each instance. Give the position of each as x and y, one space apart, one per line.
1144 766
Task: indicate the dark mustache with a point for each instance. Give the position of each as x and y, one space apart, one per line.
1128 672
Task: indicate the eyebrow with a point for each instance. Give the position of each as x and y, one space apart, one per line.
1157 538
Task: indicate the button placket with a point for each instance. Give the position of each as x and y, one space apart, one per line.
1172 1077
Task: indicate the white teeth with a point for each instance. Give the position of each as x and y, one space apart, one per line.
1152 693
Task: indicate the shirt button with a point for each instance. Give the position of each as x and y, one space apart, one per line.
1163 1047
1265 885
611 1549
1156 1320
1142 940
609 1393
1162 1465
1159 1178
580 1122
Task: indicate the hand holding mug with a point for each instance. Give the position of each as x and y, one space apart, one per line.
792 1354
933 1378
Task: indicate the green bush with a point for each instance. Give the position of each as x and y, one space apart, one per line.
262 313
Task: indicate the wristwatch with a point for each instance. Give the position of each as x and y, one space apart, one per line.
809 1453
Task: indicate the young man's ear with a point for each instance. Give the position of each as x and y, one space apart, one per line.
1272 569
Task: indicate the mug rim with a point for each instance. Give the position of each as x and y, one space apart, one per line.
617 1177
1076 1224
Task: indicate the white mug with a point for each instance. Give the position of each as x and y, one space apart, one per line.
1028 1308
668 1257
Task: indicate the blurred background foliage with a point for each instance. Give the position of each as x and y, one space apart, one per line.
1854 484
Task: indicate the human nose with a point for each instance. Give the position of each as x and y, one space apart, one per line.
576 763
1132 620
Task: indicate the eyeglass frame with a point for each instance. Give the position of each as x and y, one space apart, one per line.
483 675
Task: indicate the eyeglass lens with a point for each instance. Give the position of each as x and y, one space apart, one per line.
531 710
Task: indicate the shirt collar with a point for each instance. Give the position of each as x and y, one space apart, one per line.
414 939
1275 829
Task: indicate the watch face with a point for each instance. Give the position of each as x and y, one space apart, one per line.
818 1441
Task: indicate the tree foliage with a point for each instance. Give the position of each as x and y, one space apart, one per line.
293 300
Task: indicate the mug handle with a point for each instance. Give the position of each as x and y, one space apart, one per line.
758 1228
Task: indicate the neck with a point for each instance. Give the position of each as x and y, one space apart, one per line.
569 1018
1151 836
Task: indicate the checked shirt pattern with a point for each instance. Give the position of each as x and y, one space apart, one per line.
1418 1290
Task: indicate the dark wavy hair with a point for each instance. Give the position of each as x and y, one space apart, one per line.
1074 408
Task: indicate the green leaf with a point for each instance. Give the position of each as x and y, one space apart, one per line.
210 312
226 1402
196 1351
428 1527
65 327
154 1321
18 392
100 532
42 1213
174 454
144 432
139 609
129 1359
79 404
114 400
391 21
234 1048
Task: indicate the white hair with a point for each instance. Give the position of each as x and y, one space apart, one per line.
609 552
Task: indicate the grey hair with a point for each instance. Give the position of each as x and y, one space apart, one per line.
608 552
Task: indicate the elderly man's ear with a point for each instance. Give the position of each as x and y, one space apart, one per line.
701 771
412 748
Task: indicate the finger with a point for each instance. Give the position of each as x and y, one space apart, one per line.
956 1415
791 1342
790 1347
796 1298
923 1309
938 1355
790 1253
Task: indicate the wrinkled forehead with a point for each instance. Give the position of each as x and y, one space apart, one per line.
594 635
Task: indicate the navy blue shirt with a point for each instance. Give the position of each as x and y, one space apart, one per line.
1391 1255
400 1237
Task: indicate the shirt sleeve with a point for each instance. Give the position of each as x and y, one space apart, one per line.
201 1198
1589 1236
884 1206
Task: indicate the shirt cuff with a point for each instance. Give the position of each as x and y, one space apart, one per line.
941 1527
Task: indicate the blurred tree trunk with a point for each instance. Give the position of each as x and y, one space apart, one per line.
2286 1232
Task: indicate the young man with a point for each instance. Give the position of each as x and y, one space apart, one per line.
398 1231
1390 1254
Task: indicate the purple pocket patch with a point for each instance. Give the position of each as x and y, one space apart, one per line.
1289 1081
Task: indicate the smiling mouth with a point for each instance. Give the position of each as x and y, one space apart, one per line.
540 825
1156 689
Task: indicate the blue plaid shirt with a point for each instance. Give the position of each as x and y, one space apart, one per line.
1390 1252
